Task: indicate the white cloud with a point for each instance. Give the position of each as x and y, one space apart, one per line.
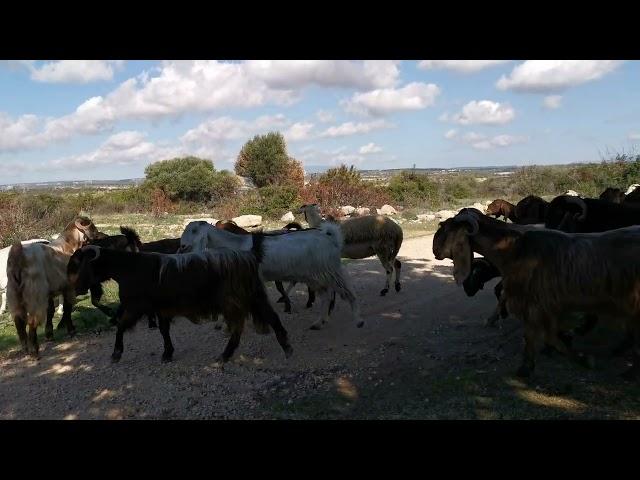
451 134
482 142
369 148
298 131
460 66
122 148
324 116
179 87
413 96
483 112
350 128
74 71
548 76
219 130
634 136
552 101
296 74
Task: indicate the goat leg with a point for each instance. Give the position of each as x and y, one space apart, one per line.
528 361
125 321
48 328
21 328
284 297
165 323
633 373
312 297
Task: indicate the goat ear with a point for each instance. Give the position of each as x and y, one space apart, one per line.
462 257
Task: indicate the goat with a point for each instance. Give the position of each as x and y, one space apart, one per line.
38 272
231 226
195 285
546 273
367 236
613 195
575 215
309 256
128 241
4 256
531 209
503 208
632 196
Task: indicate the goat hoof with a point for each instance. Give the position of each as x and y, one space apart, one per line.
315 326
360 324
309 304
166 358
383 292
217 326
152 325
48 337
398 287
115 357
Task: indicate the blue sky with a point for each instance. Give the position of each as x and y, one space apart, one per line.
70 120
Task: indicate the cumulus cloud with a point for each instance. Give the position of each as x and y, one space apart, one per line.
296 74
299 131
369 148
351 128
634 136
460 66
324 116
483 112
75 71
552 102
413 96
179 87
482 142
549 76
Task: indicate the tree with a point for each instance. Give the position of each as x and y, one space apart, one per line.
264 159
190 178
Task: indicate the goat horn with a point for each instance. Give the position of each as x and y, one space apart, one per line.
93 248
581 203
467 217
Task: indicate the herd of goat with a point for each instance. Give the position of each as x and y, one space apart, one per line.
572 255
210 271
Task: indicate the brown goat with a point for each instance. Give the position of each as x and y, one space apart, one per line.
548 273
500 207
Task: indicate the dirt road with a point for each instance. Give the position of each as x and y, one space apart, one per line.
423 353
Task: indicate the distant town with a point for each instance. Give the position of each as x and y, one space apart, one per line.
369 175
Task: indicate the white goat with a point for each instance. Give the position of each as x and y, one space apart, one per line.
4 256
36 274
364 237
307 256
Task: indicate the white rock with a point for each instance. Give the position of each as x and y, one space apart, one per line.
571 193
363 211
287 217
210 220
425 217
445 214
478 206
387 210
347 210
246 221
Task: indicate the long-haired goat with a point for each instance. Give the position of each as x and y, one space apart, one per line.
575 215
194 285
613 195
499 208
4 257
367 236
547 273
307 256
38 272
531 209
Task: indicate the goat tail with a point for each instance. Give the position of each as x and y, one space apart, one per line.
16 263
133 239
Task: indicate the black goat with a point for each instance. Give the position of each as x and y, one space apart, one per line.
586 215
194 285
